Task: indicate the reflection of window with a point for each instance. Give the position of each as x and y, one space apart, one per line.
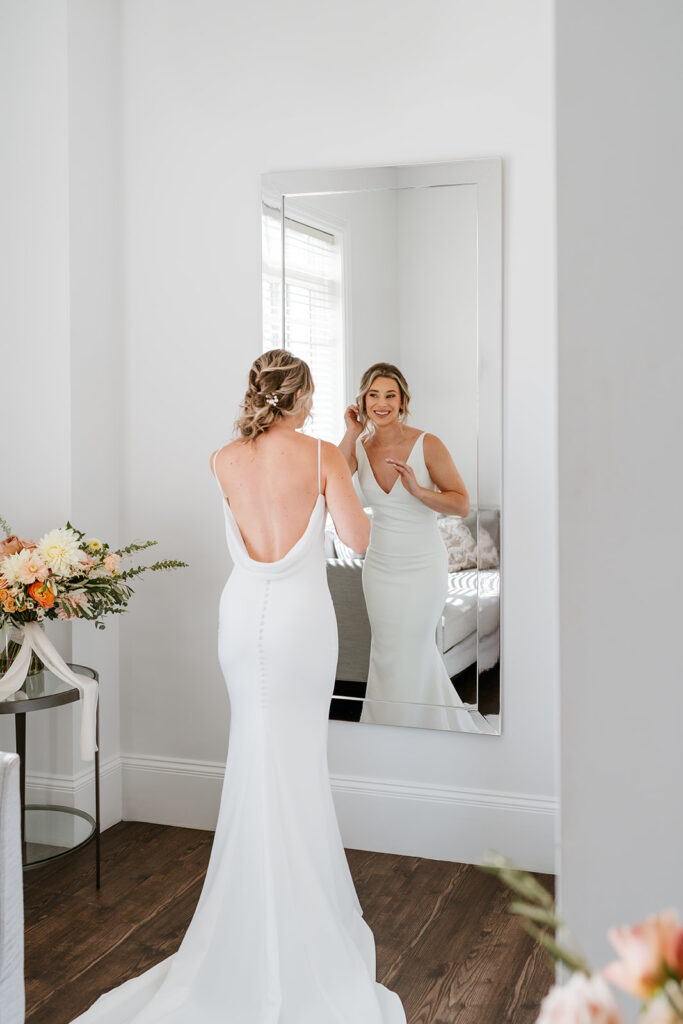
313 312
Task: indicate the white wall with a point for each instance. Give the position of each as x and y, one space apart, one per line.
214 97
620 221
34 308
438 302
61 328
96 307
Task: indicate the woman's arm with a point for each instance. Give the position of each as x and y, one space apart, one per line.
452 497
347 445
350 521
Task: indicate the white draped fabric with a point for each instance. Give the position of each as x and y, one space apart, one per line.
32 638
12 998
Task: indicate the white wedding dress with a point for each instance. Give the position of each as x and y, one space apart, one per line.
278 935
405 584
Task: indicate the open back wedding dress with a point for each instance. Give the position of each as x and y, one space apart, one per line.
278 935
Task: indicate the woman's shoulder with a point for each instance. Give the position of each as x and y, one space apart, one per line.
330 456
225 449
436 454
431 442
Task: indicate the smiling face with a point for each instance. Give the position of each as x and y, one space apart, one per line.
383 396
383 401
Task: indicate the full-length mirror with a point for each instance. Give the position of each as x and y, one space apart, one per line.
387 281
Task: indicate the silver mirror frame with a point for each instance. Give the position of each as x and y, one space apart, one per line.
486 175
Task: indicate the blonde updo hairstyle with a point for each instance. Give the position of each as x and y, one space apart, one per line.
366 382
274 380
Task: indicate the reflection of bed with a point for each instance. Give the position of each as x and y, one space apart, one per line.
456 635
353 625
457 632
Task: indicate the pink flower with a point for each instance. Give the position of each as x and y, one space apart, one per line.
33 569
644 949
73 603
13 544
583 1000
672 940
112 563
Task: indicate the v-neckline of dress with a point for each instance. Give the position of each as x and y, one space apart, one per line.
398 475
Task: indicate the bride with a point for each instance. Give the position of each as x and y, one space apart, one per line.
278 935
405 570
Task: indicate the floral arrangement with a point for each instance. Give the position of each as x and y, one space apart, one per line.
650 964
66 576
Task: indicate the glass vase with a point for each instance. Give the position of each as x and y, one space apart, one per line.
8 653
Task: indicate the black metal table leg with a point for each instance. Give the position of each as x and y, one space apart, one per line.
49 691
97 795
20 735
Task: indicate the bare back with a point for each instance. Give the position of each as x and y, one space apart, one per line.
271 485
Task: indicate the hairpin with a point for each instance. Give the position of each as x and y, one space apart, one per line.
272 399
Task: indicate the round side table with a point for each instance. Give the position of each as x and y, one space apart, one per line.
50 831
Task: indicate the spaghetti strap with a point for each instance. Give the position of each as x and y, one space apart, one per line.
213 466
319 490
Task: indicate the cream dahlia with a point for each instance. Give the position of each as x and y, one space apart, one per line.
60 551
13 566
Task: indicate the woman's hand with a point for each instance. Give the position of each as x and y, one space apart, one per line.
352 421
407 475
347 445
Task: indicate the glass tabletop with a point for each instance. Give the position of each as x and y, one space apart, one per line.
51 831
48 687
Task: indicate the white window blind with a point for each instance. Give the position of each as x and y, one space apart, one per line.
313 312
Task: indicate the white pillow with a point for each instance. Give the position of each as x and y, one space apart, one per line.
488 553
459 542
463 552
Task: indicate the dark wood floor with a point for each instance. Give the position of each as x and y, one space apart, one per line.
444 940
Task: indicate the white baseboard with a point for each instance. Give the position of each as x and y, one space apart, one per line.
446 823
79 790
384 815
171 792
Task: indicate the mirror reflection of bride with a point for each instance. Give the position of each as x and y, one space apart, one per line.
405 569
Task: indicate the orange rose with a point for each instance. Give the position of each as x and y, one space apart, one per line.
42 594
7 602
11 545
